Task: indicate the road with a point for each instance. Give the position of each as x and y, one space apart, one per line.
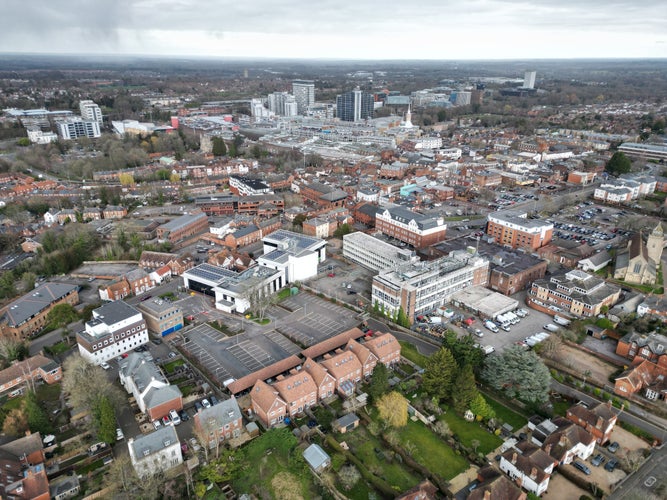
644 483
655 429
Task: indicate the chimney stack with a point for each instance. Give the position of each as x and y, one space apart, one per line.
514 455
547 449
487 495
598 424
533 473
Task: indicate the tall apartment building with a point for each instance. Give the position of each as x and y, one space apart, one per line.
283 104
529 79
75 128
374 254
421 287
304 94
90 111
575 292
412 228
354 106
516 230
115 329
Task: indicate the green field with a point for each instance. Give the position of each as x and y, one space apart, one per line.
431 451
505 414
467 432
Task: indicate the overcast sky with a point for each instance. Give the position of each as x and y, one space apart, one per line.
346 29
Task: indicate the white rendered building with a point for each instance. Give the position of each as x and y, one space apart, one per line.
158 451
373 253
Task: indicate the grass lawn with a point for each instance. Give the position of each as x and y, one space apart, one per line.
90 467
284 293
410 352
12 404
187 389
432 452
48 392
505 414
560 407
171 365
469 431
406 368
363 444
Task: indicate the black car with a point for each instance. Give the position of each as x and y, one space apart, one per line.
156 341
214 401
198 406
183 416
611 465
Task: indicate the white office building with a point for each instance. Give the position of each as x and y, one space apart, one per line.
373 253
529 79
115 329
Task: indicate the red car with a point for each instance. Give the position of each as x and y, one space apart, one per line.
331 275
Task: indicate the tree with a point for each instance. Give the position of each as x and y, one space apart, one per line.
38 420
260 301
349 475
464 350
439 374
299 220
219 147
618 164
61 315
121 477
393 409
480 407
379 384
464 389
86 383
342 230
16 422
441 428
519 373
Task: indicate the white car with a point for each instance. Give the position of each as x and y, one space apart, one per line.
205 403
119 434
521 313
105 365
157 424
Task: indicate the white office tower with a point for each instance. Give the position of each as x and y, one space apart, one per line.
90 112
529 79
304 93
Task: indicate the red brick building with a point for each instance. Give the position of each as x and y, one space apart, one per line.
183 227
416 230
28 372
638 347
598 420
516 230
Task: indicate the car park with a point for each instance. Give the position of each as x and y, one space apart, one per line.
582 467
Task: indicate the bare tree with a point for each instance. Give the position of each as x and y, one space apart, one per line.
86 383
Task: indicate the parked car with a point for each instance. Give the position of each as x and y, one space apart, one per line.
175 419
611 465
198 406
172 354
183 416
205 403
166 421
582 467
214 400
105 365
156 341
157 424
613 447
119 434
598 460
194 445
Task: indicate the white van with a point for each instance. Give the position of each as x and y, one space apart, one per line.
561 321
551 327
513 318
490 325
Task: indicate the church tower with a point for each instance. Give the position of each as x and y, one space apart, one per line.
655 243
